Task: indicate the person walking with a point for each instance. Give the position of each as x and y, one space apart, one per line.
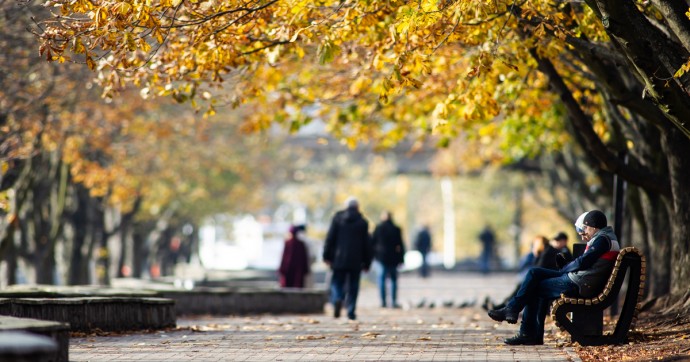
422 244
389 251
488 239
347 251
585 276
294 265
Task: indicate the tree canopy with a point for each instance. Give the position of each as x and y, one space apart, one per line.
510 76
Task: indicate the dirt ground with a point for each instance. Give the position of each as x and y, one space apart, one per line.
662 333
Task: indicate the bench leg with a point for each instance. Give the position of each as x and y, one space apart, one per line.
591 323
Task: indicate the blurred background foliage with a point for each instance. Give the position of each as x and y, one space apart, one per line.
125 125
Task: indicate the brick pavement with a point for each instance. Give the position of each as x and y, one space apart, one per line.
412 333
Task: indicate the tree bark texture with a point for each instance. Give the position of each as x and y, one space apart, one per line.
653 57
677 148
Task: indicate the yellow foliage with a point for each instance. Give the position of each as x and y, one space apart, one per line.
425 66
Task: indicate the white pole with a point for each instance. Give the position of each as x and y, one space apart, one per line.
448 223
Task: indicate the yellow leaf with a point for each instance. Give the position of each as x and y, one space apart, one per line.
122 8
359 85
90 63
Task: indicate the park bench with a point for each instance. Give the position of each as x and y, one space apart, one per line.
583 318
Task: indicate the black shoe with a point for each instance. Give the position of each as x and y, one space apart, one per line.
521 339
351 317
336 309
504 314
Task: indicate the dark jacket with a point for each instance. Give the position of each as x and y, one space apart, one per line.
591 270
423 241
387 244
547 259
347 245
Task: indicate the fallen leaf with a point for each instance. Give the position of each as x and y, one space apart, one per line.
371 335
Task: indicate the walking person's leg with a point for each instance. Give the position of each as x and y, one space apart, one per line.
337 291
353 277
424 269
382 284
393 273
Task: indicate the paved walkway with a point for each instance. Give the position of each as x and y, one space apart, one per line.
444 332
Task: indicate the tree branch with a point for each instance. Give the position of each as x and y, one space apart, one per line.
674 14
582 124
653 57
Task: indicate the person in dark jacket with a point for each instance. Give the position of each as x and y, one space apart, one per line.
294 265
556 254
585 276
347 251
389 251
488 240
422 243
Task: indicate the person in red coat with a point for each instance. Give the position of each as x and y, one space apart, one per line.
294 266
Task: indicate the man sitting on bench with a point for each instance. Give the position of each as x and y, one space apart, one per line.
586 276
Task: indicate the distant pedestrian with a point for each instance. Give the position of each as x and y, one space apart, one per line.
347 251
488 239
422 244
389 251
294 266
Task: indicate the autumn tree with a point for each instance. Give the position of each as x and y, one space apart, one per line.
33 178
77 170
508 75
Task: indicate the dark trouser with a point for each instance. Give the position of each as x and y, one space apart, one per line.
389 271
345 286
540 287
424 269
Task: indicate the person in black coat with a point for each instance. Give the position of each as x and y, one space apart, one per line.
389 251
422 243
347 251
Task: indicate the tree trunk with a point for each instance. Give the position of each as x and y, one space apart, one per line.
140 233
677 147
126 260
8 252
101 244
124 263
81 221
658 250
